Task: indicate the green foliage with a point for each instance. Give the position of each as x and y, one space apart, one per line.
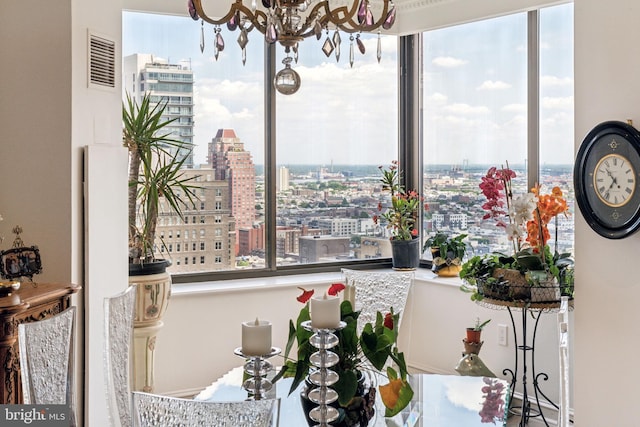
374 347
401 216
480 325
449 247
155 163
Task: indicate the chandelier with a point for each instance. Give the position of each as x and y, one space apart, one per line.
288 22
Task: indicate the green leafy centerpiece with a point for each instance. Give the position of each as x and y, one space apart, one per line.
532 273
362 358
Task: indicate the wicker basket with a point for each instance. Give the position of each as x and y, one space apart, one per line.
513 285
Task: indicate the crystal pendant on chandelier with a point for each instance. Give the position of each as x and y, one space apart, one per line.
379 51
202 38
328 46
362 11
243 39
219 44
390 19
192 11
336 42
351 56
287 81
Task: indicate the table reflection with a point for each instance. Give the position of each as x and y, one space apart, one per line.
439 401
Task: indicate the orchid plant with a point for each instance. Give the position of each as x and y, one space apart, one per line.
402 215
376 345
525 219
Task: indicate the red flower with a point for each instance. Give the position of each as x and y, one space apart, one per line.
388 321
306 295
414 232
335 288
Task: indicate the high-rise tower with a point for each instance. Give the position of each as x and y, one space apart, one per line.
234 164
165 82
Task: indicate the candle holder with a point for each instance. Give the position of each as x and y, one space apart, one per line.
257 368
323 359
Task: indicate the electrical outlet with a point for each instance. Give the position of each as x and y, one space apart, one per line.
502 334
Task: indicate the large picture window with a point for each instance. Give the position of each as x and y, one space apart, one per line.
314 204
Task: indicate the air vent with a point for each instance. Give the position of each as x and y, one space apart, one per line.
102 62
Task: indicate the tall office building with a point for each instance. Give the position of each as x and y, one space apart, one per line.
282 179
234 164
204 240
165 82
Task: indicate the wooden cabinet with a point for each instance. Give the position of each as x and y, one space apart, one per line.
30 303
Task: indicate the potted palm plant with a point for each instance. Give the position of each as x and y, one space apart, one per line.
155 179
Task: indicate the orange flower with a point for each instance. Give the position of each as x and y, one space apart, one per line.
391 392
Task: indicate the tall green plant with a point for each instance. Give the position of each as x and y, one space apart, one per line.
155 163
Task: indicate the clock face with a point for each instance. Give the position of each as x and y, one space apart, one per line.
614 180
606 179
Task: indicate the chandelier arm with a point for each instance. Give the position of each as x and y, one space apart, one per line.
348 24
257 19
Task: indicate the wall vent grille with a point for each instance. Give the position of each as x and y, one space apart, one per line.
102 61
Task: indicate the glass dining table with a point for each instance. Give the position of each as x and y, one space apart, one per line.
439 401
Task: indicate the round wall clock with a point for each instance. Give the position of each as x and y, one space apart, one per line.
607 179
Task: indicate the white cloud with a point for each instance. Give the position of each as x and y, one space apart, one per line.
463 394
493 85
558 103
555 81
448 62
438 98
466 109
514 108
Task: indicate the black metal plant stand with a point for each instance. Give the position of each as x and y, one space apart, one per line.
530 407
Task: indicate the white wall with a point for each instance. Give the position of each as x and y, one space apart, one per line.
607 87
47 117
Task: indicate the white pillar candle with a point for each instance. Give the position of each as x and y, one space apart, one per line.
256 338
325 312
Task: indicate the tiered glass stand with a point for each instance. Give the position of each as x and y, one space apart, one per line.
256 369
323 377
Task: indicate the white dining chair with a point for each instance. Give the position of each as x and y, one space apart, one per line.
119 312
166 411
375 291
46 360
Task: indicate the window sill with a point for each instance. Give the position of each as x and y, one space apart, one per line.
423 276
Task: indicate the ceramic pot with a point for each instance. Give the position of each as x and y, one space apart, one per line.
153 290
473 335
405 254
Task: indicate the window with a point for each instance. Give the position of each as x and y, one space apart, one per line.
474 83
475 116
202 259
177 247
186 260
218 246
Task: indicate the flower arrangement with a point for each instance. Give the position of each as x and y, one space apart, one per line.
368 353
525 219
402 215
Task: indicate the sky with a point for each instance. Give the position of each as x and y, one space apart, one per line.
474 91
